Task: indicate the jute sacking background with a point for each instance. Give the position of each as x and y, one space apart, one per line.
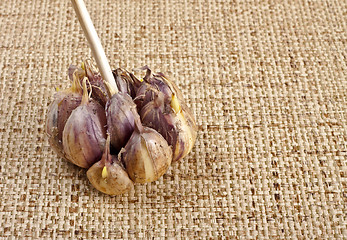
266 81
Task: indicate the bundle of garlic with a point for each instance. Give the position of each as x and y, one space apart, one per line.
123 134
123 129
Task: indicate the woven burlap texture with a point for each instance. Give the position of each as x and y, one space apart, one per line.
266 81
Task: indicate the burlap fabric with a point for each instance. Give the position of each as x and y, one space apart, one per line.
266 81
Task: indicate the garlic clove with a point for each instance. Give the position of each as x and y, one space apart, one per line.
186 137
125 81
114 181
173 122
145 93
108 176
85 132
146 156
151 85
121 113
161 83
171 117
156 115
59 111
169 84
186 128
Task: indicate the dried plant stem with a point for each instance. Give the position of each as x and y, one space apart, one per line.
94 43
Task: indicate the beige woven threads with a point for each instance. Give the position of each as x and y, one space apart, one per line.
265 79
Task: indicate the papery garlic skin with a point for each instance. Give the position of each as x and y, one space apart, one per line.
160 116
145 93
146 156
125 81
121 114
84 133
160 82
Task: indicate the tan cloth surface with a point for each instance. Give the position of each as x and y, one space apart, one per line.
266 81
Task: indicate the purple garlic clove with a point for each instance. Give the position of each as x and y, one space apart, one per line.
159 82
59 111
121 113
151 84
125 81
84 133
187 129
168 86
146 156
157 115
145 94
161 106
175 124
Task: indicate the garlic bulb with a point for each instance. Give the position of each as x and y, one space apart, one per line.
84 133
108 175
148 126
59 111
146 156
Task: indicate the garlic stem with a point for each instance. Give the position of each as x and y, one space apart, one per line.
94 43
108 158
138 125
